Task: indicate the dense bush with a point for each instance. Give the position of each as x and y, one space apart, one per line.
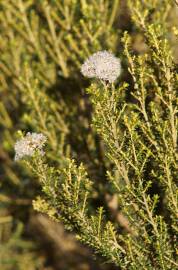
101 153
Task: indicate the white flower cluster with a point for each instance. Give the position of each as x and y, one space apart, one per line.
29 144
102 65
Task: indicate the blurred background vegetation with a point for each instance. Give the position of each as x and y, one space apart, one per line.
42 46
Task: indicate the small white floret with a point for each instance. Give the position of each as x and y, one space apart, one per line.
102 65
29 144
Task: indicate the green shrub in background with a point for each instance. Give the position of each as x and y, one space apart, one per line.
124 132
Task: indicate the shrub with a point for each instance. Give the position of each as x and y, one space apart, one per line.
109 170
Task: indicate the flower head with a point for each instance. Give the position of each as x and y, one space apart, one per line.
29 144
102 65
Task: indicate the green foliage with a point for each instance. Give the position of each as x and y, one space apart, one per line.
67 192
17 253
125 133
